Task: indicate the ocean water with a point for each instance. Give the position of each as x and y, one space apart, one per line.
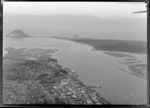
93 67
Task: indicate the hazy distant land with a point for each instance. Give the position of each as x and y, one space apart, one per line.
129 46
139 47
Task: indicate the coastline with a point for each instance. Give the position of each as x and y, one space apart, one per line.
110 45
53 83
133 70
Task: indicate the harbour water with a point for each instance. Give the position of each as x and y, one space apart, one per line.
93 67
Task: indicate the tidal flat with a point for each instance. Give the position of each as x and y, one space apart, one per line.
42 80
122 49
117 54
135 67
139 70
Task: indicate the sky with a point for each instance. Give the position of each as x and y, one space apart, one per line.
99 9
116 19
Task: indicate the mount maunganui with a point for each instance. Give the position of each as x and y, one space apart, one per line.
17 34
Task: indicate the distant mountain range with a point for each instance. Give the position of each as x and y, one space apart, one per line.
17 34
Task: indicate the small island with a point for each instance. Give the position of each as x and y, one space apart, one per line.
31 76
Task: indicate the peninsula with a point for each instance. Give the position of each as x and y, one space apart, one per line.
129 46
31 76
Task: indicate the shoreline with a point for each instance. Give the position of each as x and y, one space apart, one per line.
131 56
88 41
62 85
